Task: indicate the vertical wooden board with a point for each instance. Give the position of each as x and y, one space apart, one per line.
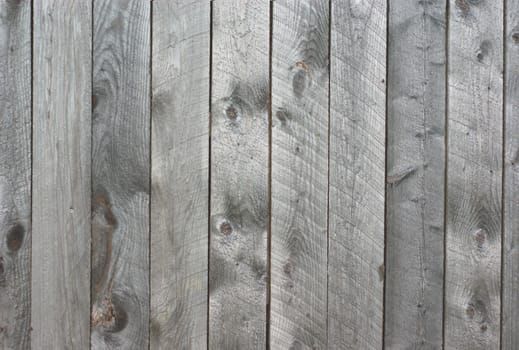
300 85
239 172
61 174
510 335
15 174
473 236
180 167
120 174
357 174
415 179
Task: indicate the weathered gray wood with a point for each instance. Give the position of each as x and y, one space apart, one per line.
180 163
473 236
415 179
120 174
299 174
357 174
510 334
239 171
61 174
15 174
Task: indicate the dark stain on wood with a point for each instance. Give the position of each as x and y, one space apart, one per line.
484 50
3 282
226 228
15 237
299 82
104 224
464 6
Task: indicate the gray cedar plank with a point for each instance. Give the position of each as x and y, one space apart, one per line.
239 172
416 168
180 174
61 174
300 71
357 174
15 173
473 236
511 165
120 174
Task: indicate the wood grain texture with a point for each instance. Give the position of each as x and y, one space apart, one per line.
473 236
15 174
300 82
180 174
61 174
239 172
415 179
357 174
510 335
120 174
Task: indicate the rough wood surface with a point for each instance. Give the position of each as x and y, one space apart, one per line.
61 174
510 335
15 174
180 163
415 179
239 170
120 174
299 174
357 174
473 236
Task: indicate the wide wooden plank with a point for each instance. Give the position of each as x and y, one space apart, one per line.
415 179
473 236
239 172
300 84
357 174
510 335
61 174
120 174
15 174
180 170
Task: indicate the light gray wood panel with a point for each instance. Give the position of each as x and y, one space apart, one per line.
180 174
415 179
120 174
239 172
61 174
473 236
300 84
357 174
510 335
15 174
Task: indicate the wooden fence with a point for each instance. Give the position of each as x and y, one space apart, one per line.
254 174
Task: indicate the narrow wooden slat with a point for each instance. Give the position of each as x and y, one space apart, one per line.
473 236
61 174
299 174
120 174
415 179
180 166
15 174
510 335
239 171
357 174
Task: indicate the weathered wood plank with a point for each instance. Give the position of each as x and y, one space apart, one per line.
15 174
120 174
239 172
180 174
415 179
300 72
510 335
473 236
61 174
357 174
